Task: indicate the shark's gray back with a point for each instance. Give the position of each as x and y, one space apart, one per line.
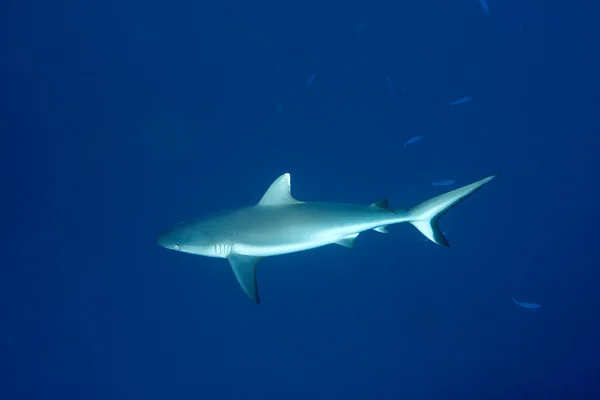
257 225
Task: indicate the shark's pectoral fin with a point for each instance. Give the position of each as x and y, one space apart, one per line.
244 268
347 241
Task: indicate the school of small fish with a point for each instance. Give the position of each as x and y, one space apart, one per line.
485 9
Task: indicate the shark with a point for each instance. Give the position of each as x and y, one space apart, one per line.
280 224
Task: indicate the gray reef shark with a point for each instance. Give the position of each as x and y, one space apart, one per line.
280 224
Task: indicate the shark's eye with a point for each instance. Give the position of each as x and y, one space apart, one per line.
175 247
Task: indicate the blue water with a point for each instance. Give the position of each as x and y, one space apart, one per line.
121 118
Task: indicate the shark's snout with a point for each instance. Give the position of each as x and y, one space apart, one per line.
161 240
164 239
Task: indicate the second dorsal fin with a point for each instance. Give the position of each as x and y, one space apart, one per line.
382 205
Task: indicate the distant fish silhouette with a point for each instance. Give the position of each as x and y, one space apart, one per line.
444 182
530 306
413 140
388 79
521 23
484 6
461 100
359 29
311 79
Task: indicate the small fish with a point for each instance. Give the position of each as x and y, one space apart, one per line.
521 23
530 306
359 29
461 100
484 6
279 107
413 140
311 79
388 79
446 182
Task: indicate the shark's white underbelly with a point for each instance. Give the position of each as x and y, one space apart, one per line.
299 242
278 249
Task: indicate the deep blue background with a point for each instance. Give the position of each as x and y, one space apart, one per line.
120 118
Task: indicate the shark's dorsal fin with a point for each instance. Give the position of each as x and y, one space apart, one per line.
279 193
244 268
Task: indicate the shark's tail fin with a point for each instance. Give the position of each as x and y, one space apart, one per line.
424 216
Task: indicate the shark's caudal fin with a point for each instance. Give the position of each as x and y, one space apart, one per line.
424 216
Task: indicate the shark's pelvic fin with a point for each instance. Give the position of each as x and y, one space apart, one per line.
244 268
348 241
279 193
382 229
425 216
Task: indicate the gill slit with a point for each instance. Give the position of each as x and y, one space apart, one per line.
222 249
